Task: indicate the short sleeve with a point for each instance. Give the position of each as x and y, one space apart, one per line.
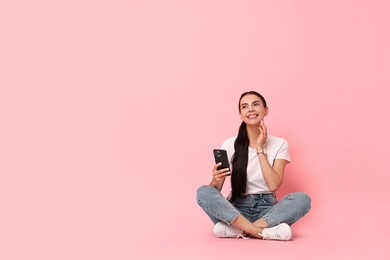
283 152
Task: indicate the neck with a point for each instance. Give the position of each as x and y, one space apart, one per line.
253 133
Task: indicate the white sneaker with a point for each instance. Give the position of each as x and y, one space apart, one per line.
279 232
221 229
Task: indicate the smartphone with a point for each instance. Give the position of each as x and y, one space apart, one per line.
220 156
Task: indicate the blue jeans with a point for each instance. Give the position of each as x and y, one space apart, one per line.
253 207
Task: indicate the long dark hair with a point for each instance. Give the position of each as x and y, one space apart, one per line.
240 157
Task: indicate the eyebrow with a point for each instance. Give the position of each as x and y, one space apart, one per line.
252 102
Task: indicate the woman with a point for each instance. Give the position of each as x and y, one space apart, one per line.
258 161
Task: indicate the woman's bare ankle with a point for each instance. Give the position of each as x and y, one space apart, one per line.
261 223
255 234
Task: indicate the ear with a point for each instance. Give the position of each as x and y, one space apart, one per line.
266 111
241 116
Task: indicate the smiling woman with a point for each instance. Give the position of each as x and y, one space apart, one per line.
258 160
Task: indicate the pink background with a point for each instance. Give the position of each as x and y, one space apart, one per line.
110 110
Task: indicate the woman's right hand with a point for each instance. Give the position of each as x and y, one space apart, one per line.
219 176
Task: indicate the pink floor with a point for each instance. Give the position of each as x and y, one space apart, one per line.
346 234
186 234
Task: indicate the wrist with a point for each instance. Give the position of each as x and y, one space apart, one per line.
260 151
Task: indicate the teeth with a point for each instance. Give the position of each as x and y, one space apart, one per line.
252 116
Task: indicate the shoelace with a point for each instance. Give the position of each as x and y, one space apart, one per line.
266 234
242 236
231 231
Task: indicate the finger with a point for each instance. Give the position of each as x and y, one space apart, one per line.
223 170
262 132
227 174
216 166
217 172
223 174
261 126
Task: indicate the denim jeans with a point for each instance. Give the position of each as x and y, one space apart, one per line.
253 207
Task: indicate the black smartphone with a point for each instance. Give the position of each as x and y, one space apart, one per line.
220 156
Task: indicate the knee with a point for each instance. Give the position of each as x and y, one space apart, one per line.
202 193
303 200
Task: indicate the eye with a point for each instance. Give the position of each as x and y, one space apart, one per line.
244 106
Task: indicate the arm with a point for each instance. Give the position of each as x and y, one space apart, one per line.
273 175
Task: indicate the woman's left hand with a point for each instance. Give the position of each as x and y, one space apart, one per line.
262 139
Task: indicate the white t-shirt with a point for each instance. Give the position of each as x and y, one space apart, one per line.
275 147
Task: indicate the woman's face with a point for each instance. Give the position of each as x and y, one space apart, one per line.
252 110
